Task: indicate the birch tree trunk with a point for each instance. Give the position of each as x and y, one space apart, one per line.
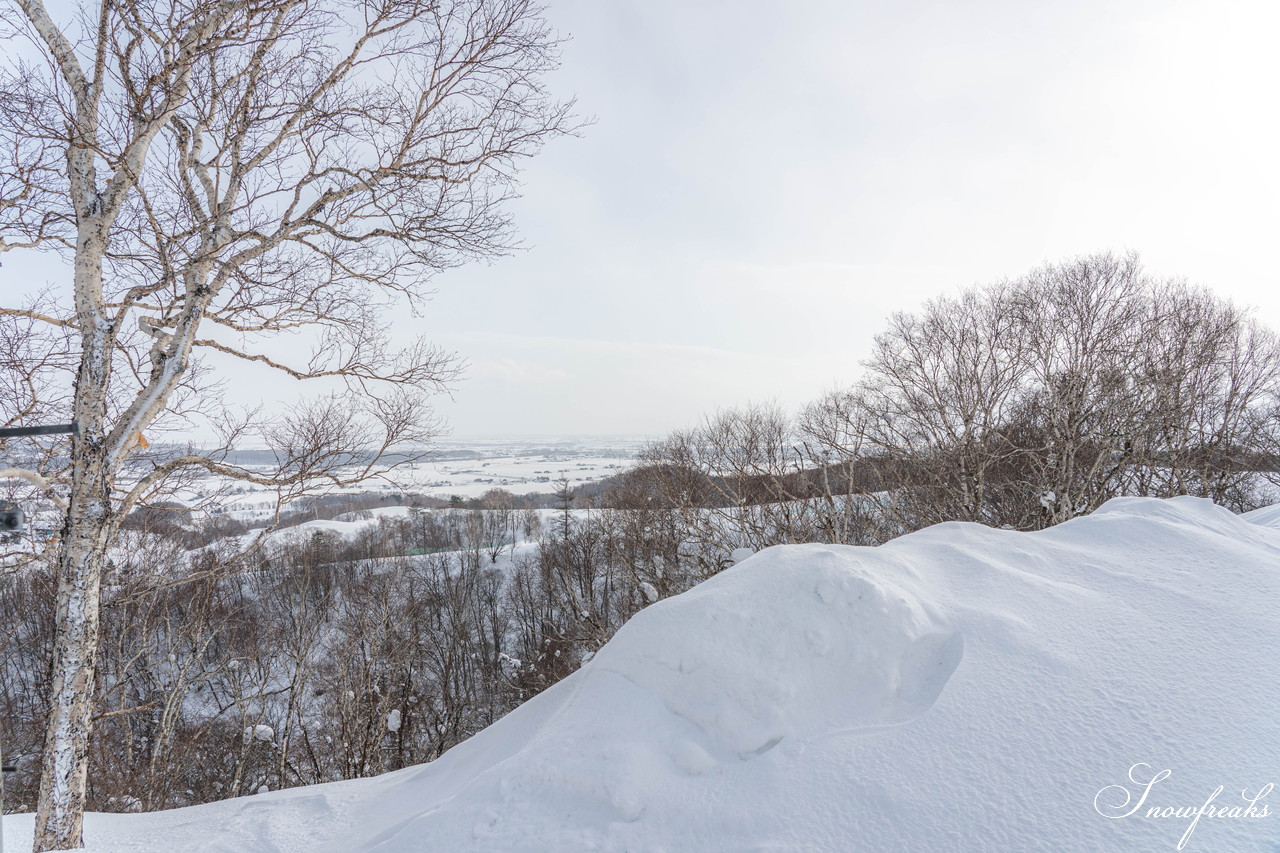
86 532
63 780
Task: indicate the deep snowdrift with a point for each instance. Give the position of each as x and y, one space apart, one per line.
959 689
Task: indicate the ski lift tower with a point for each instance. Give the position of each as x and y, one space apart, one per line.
12 519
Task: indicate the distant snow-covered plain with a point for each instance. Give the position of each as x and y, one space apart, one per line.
467 467
1108 684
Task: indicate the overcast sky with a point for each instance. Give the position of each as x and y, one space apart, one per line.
765 182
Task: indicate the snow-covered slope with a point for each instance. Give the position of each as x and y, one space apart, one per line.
1268 516
959 689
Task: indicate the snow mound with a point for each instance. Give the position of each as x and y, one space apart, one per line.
958 689
748 675
259 732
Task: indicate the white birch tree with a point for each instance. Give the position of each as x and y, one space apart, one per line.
216 175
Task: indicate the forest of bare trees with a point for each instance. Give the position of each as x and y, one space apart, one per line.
318 658
1023 404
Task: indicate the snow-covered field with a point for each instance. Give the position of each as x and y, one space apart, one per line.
467 467
958 689
523 465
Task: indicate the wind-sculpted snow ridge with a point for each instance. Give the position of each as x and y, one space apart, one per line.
959 689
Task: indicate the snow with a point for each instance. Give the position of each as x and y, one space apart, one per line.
378 512
300 532
960 688
259 732
351 530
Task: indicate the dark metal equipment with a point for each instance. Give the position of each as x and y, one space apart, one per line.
12 519
52 429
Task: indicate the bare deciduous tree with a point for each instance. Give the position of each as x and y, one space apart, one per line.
219 175
939 386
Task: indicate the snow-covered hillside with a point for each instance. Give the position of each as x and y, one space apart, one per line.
958 689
